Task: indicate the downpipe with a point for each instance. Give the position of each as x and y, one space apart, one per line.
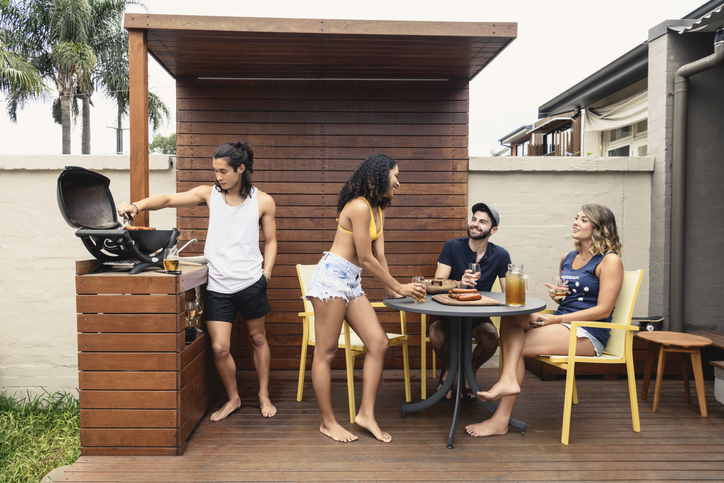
678 177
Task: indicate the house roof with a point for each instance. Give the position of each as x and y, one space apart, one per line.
513 136
622 72
238 47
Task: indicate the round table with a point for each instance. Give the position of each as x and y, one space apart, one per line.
460 347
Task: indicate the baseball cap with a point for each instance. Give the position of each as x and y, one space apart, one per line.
489 210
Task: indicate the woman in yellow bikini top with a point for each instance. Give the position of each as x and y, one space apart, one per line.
335 291
374 234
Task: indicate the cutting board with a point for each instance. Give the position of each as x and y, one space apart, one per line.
446 300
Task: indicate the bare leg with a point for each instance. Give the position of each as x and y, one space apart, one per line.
486 336
498 422
262 362
440 342
328 324
220 333
512 335
551 339
363 319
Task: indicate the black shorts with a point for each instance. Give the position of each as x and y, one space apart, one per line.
251 303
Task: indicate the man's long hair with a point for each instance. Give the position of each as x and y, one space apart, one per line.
237 154
371 180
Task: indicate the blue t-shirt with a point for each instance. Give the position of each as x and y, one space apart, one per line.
583 286
457 255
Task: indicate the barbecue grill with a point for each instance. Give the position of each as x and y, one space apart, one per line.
86 203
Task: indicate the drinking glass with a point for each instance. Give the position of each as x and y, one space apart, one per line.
192 320
560 289
474 273
170 259
420 280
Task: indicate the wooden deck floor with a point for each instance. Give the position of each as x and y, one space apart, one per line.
675 444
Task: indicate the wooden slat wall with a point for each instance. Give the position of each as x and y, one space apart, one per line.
308 137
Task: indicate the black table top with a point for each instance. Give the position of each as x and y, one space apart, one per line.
431 307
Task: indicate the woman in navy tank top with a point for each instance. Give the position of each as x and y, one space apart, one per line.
594 272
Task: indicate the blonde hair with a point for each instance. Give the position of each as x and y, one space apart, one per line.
604 238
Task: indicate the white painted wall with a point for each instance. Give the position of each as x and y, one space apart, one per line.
538 197
38 251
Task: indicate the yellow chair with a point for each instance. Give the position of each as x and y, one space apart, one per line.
619 350
348 340
424 339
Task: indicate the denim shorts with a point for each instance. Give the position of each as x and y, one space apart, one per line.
333 277
582 332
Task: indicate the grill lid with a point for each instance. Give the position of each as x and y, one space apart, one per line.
84 199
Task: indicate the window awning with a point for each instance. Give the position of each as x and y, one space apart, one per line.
623 113
551 124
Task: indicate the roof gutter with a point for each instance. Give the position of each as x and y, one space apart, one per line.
678 177
627 69
624 71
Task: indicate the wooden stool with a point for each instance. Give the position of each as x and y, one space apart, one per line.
674 342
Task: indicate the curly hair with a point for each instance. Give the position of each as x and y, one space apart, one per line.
371 179
604 238
237 154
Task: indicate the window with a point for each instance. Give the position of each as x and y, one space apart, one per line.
521 149
628 140
622 151
562 135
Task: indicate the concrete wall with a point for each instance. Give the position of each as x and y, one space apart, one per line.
660 142
704 221
704 263
538 198
38 251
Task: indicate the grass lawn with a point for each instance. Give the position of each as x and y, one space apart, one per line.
37 435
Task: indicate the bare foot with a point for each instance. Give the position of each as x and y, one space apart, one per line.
371 425
228 408
487 428
268 410
500 389
449 393
337 433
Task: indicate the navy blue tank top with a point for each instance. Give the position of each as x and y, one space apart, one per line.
583 286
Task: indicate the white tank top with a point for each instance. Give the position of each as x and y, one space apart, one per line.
232 244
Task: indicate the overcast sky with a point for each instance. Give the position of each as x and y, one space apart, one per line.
560 42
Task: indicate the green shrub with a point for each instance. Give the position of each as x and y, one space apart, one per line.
37 435
163 144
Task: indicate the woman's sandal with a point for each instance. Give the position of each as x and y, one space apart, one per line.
468 396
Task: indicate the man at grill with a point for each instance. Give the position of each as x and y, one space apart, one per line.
238 274
453 263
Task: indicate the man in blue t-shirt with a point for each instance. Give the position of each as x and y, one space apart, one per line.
453 263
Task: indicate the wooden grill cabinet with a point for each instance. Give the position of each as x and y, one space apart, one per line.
142 389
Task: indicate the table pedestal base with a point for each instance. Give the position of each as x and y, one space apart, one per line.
460 362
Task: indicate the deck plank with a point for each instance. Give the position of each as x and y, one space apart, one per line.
675 444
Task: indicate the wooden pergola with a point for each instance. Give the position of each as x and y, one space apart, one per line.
314 98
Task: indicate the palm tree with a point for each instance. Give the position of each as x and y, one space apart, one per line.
54 36
113 75
17 75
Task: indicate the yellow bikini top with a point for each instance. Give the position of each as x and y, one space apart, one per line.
374 234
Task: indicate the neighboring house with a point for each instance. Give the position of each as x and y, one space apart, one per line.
632 107
557 135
